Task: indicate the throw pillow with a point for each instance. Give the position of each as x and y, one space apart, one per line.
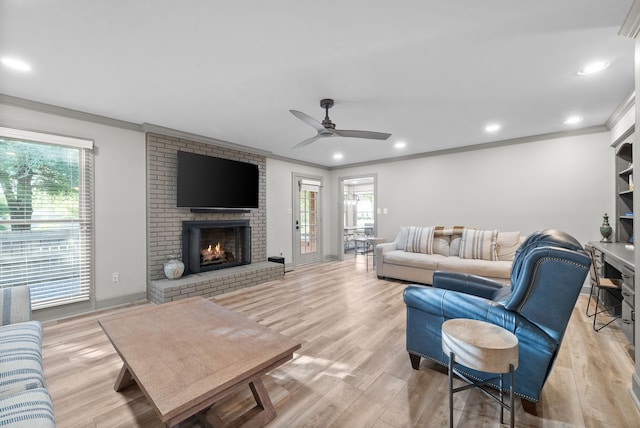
444 231
454 249
507 244
401 240
478 244
420 240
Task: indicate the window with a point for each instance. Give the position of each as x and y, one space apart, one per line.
364 209
46 216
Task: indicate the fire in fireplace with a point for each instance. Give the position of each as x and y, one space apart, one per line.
215 254
210 245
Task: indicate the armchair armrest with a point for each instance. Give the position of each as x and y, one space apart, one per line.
15 304
465 283
446 304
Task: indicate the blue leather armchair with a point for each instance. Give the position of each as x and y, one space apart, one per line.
548 272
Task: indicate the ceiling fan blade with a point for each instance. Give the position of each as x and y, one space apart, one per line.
307 142
308 120
362 134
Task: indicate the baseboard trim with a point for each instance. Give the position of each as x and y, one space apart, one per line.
121 300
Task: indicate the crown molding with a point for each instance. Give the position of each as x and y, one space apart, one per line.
66 112
298 162
482 146
621 110
157 129
631 25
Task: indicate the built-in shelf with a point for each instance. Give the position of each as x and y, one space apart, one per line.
626 172
624 190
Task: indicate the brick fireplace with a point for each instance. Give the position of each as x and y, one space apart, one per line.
215 244
165 222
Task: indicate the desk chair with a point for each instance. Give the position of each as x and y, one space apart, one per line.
611 287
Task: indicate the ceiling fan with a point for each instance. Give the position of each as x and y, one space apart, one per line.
328 128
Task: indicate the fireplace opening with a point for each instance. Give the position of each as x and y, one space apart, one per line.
211 245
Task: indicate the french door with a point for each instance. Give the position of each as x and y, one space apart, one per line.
307 225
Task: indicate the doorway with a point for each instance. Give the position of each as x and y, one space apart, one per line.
357 214
307 224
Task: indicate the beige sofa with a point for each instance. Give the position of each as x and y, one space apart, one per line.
417 252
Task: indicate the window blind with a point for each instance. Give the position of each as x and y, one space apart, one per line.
309 185
46 216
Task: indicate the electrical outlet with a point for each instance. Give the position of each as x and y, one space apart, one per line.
115 277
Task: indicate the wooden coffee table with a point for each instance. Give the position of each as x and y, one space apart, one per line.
187 355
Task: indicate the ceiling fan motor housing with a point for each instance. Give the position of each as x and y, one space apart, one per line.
326 104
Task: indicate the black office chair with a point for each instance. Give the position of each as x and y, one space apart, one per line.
610 286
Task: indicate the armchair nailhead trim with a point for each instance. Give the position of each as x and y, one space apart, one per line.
535 274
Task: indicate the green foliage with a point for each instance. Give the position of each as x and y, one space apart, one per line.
28 169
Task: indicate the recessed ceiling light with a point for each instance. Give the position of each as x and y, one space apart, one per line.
16 64
400 145
572 120
594 67
492 127
337 156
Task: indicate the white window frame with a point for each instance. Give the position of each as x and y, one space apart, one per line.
84 221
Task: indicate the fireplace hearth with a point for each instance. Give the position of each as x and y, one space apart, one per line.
215 244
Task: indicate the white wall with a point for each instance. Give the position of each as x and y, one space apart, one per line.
280 207
564 183
120 195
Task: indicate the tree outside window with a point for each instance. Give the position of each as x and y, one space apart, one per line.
46 220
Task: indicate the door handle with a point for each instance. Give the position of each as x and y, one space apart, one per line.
297 225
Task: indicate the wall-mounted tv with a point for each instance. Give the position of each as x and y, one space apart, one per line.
210 182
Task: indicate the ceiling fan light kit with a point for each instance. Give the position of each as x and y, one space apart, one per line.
328 129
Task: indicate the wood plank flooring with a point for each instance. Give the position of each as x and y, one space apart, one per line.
352 370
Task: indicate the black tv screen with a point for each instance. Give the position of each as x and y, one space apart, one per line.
210 182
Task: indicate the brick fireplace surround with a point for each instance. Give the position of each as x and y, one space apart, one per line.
164 224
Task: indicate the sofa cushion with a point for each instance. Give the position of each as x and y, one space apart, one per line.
27 409
420 240
456 237
20 358
486 268
507 244
442 237
441 245
418 260
478 244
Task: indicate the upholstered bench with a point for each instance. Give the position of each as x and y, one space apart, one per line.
24 400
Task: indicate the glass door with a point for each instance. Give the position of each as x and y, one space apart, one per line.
307 246
358 213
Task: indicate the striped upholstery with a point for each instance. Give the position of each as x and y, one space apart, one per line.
20 357
420 240
27 409
447 231
24 402
479 244
15 304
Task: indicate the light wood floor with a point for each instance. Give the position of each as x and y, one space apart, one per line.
352 370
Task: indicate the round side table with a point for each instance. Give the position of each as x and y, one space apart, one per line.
484 347
373 240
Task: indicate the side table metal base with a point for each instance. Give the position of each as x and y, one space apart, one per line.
480 385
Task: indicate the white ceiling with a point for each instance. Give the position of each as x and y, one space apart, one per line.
432 73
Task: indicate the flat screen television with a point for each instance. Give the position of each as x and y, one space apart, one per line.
210 182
